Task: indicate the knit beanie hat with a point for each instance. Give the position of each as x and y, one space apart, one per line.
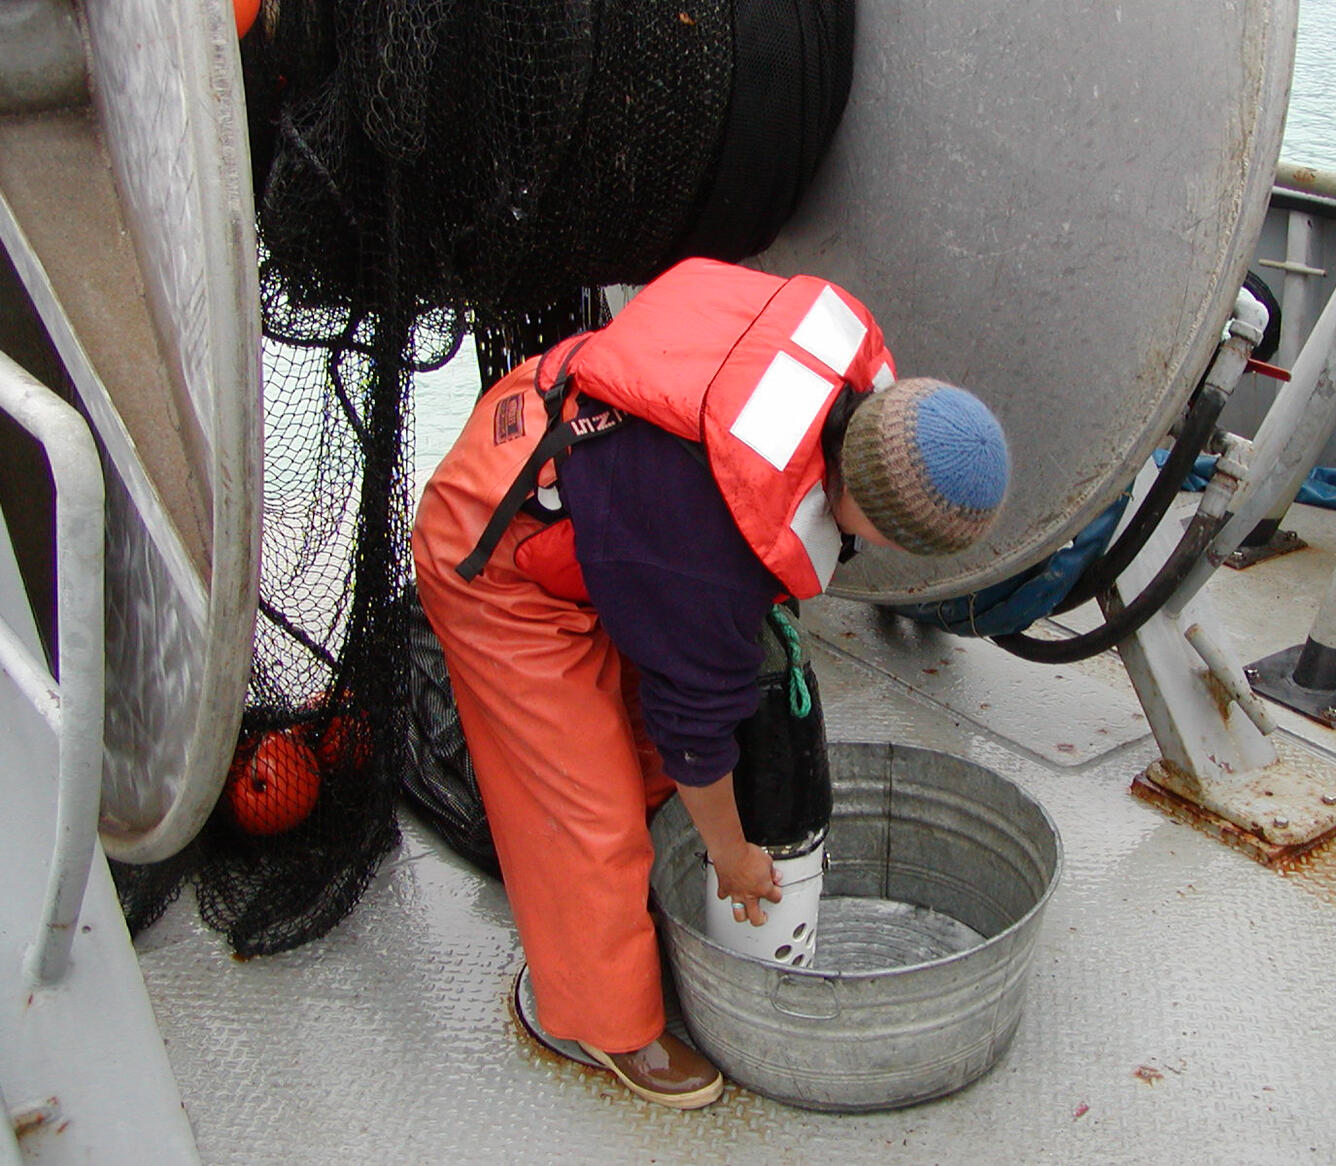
927 463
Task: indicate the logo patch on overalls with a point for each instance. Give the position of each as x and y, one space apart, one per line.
508 420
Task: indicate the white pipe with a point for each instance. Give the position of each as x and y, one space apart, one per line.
1288 442
1309 179
33 679
80 533
1223 670
1298 295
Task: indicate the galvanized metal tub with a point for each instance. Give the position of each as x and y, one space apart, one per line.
939 874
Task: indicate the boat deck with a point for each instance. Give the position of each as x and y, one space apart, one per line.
1179 1006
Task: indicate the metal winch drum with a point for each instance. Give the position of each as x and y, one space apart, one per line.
938 872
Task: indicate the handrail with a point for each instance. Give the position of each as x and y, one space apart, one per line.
1308 179
80 532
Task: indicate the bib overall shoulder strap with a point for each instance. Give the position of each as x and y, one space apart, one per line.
558 437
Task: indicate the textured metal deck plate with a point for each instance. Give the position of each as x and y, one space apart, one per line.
1057 713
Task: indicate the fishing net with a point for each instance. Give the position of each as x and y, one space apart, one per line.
427 169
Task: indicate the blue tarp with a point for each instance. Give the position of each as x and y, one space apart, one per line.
1318 489
1015 603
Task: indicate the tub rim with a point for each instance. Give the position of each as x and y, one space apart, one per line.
1059 862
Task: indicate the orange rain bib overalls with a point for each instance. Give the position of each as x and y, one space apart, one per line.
548 707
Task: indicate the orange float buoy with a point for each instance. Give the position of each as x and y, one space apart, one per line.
273 784
345 741
245 12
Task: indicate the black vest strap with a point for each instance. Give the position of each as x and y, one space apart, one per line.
553 397
558 437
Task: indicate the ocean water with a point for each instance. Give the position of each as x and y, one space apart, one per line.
1310 124
444 397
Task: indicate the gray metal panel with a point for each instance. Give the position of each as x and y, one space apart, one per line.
85 1052
1053 204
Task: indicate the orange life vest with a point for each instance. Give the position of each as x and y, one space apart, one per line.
748 365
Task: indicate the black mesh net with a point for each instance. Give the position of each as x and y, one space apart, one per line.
426 169
527 149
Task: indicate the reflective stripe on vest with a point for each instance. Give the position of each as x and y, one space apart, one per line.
748 364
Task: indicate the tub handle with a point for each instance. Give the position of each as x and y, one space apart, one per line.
805 997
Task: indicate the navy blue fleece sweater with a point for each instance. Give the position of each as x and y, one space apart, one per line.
676 586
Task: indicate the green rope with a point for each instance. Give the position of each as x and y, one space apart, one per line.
800 699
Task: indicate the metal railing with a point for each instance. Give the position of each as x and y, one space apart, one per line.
72 707
1310 179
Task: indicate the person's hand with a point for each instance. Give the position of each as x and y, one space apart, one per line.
747 874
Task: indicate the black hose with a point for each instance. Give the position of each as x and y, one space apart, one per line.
1192 438
1126 621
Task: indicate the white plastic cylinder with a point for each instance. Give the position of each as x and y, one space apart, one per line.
788 935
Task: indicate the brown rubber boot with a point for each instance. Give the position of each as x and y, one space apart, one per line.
666 1071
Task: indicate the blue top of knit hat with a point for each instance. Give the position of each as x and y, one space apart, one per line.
963 448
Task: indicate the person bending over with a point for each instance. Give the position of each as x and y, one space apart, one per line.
597 553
